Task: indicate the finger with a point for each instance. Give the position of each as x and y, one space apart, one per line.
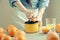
30 19
34 17
31 16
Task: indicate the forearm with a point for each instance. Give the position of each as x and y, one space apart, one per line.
41 11
20 6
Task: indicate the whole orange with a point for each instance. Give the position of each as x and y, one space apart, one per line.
52 36
57 28
1 35
11 30
20 32
20 37
6 37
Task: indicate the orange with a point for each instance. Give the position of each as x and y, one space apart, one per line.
20 37
52 36
21 33
11 30
57 28
11 26
1 35
6 37
1 30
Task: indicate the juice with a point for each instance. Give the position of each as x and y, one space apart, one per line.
51 26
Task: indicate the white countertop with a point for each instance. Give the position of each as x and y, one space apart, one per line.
35 36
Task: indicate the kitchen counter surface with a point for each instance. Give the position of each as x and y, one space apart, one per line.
35 36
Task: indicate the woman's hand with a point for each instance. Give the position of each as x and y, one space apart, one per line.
35 18
29 14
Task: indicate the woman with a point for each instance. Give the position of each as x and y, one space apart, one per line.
29 9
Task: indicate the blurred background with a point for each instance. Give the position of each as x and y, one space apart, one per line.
53 11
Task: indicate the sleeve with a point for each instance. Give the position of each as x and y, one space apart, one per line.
11 2
43 3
